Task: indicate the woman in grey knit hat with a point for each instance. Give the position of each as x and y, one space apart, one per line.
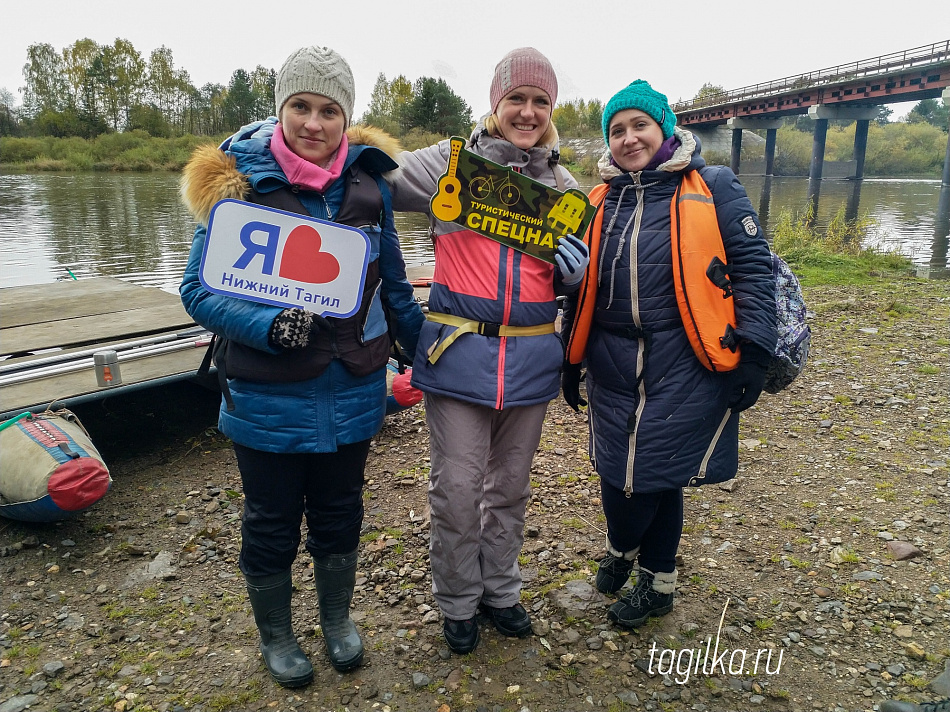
304 393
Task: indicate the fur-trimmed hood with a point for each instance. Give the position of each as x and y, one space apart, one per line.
212 173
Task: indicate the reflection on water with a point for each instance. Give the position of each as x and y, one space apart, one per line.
938 260
127 226
414 237
905 211
133 227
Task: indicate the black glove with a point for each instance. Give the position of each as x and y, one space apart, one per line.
295 328
571 385
749 377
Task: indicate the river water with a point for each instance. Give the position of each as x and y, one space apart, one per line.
133 227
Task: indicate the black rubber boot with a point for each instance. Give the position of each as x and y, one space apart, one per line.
335 576
270 600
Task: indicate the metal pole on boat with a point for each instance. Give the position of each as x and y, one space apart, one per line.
84 363
72 355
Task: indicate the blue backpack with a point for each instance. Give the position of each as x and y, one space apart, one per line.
794 335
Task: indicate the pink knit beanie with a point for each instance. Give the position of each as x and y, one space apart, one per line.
524 66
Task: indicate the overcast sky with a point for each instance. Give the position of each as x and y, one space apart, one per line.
596 46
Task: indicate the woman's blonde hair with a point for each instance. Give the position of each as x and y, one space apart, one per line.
548 140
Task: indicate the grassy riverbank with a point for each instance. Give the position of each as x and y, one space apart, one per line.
833 255
129 151
138 151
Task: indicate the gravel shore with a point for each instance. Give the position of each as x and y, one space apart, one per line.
822 571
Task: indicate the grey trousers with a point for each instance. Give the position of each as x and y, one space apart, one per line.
479 485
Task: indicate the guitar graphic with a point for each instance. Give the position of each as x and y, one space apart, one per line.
445 204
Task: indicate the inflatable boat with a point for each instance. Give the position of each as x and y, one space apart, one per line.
49 468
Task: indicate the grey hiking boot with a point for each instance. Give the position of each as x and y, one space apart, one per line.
652 596
612 573
895 706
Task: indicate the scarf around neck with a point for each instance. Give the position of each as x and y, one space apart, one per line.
663 154
300 171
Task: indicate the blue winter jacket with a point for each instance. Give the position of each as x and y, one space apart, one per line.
336 408
659 420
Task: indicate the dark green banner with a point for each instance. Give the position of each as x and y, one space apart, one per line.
505 206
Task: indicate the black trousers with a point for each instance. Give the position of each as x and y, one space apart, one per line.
280 488
653 522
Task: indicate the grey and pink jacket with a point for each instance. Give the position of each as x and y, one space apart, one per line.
482 280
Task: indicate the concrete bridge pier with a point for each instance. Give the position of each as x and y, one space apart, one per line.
860 146
736 151
738 125
938 258
770 135
817 150
821 113
945 182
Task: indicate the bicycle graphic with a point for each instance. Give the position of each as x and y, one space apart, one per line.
482 187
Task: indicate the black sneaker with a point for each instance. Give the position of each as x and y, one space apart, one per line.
640 603
895 706
462 636
513 621
612 573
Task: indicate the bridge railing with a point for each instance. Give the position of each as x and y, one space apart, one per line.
926 54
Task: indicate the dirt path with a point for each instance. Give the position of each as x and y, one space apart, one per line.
138 603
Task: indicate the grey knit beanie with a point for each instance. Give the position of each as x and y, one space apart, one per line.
318 70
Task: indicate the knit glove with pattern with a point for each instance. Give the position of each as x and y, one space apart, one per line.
295 328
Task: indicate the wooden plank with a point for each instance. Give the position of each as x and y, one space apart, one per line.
44 390
38 303
73 332
89 313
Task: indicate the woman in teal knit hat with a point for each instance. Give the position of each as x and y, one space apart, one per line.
660 419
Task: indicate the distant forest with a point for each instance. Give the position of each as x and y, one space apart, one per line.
88 90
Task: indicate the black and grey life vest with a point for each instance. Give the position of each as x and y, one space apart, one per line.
362 206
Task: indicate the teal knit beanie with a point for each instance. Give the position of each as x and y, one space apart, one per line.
640 95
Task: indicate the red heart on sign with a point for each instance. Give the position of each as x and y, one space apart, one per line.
302 260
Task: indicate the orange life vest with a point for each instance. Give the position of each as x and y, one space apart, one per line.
707 307
587 294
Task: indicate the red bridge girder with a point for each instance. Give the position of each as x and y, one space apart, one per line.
883 80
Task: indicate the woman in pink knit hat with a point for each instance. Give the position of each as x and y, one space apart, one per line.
486 394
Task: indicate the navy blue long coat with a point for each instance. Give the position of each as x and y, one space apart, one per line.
659 419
